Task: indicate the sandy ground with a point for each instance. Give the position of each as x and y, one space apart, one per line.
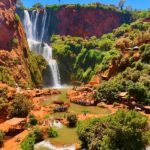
13 144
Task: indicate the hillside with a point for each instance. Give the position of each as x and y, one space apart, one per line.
77 20
121 58
19 69
74 77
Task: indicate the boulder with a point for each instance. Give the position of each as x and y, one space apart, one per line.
59 102
102 105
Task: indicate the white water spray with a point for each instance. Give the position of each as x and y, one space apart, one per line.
36 43
49 146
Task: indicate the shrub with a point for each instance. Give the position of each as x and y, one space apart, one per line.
105 45
72 120
146 54
6 76
52 133
20 106
109 91
124 62
28 142
38 134
138 91
123 130
37 64
135 76
33 138
16 61
121 30
17 18
3 104
1 138
15 42
33 121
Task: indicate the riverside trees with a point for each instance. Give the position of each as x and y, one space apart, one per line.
122 131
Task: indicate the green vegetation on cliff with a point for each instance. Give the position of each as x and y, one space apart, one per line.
121 58
6 77
82 58
37 64
123 130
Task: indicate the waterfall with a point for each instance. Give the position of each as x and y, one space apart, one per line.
36 42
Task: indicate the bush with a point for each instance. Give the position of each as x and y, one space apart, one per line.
17 18
6 76
3 104
28 142
15 42
20 106
138 91
121 30
123 130
37 64
38 135
33 121
146 53
33 138
52 133
105 45
109 91
72 120
1 138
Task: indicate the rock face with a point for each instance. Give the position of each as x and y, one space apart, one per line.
13 46
83 22
86 22
7 24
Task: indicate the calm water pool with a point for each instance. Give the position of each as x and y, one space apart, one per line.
78 109
69 135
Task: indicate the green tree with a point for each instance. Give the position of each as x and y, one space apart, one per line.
20 106
121 4
37 5
72 120
34 137
52 133
33 120
122 131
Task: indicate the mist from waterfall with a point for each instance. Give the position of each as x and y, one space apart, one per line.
37 44
47 145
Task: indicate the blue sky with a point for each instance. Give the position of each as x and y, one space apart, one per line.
136 4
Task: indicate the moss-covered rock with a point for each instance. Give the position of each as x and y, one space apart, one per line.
37 65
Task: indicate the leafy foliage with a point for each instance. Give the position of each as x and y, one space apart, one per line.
72 120
52 133
37 64
6 77
20 106
1 138
32 120
80 58
123 130
34 137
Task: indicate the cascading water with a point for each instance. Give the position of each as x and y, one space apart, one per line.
36 42
47 145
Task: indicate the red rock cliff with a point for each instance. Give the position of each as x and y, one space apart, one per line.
86 22
13 44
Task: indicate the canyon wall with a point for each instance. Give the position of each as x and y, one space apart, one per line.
14 50
83 22
86 22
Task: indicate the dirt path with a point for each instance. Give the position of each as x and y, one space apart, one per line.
12 144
